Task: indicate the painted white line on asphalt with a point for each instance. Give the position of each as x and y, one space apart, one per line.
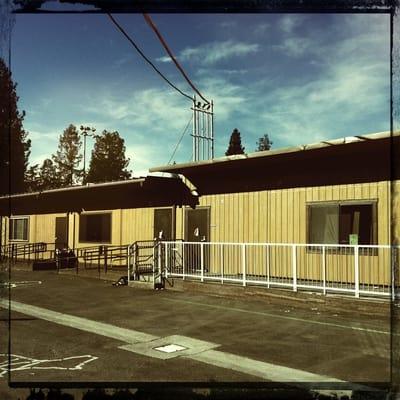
270 372
83 324
309 321
20 363
260 369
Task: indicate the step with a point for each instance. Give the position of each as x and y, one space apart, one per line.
142 284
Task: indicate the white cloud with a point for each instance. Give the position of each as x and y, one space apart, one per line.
148 110
296 46
164 59
142 156
212 53
348 95
322 108
289 22
43 137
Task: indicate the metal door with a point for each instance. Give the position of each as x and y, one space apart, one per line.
61 234
163 224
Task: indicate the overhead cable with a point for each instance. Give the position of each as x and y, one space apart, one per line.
173 58
180 139
146 58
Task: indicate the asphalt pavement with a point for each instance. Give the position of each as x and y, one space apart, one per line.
76 329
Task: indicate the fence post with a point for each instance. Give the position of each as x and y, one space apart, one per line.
134 261
268 266
202 261
183 260
294 267
323 270
153 258
105 258
159 259
221 246
166 252
77 260
356 273
128 258
244 263
394 253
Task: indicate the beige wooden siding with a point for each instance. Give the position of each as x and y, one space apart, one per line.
137 224
280 216
41 228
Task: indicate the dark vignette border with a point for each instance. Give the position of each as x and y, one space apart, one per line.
245 6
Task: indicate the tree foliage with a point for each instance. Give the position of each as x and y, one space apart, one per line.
32 178
41 178
108 162
14 145
235 144
67 158
48 176
264 143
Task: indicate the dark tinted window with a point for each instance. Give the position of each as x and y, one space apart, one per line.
356 220
95 228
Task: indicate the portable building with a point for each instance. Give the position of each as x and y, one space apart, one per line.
307 206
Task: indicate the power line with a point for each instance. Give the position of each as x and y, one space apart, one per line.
180 139
145 58
173 58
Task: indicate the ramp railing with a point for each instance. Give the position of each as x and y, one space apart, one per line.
103 256
27 251
359 270
141 260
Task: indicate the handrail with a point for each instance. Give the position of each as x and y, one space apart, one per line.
354 269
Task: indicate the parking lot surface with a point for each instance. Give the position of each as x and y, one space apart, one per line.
75 329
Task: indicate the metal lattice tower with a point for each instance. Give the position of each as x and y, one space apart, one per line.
203 130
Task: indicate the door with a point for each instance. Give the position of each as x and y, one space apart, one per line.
163 224
197 223
61 234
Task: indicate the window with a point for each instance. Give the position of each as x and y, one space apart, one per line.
342 223
95 228
18 229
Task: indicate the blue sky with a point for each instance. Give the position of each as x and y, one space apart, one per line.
300 78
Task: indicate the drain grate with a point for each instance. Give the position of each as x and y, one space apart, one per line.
170 348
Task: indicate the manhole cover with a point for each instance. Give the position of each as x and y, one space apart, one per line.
170 348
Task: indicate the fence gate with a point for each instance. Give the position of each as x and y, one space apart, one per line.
197 223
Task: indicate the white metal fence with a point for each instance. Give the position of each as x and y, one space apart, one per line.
354 269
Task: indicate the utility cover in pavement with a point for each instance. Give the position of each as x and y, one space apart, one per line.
170 347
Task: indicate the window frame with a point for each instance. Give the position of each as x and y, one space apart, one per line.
22 217
86 214
337 248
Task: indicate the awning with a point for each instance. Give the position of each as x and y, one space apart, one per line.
136 193
361 159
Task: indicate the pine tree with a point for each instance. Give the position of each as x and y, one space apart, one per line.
14 146
108 162
68 157
48 177
264 143
32 179
235 144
